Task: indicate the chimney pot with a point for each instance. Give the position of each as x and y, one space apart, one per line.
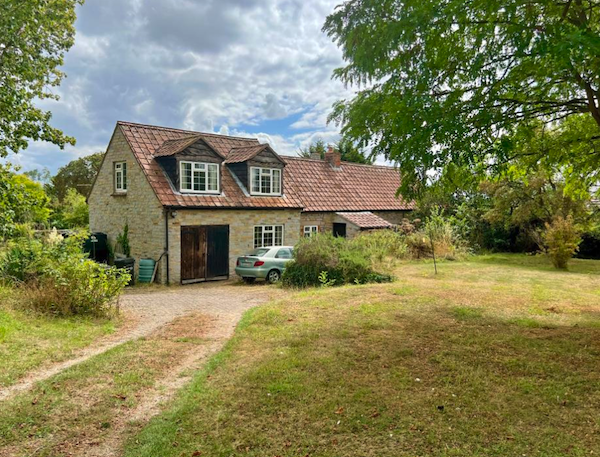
333 157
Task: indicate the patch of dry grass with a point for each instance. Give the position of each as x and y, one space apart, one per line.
79 406
490 357
28 341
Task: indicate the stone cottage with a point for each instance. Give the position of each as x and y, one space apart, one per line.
200 200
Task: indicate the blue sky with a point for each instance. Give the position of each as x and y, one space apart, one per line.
259 68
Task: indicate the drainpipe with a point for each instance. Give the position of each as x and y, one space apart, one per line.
167 215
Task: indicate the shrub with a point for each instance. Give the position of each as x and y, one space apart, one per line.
419 245
123 242
325 260
76 287
562 241
26 259
381 244
54 276
447 242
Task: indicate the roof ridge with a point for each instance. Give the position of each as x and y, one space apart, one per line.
192 132
307 159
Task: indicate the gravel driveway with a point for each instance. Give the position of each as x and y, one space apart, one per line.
149 309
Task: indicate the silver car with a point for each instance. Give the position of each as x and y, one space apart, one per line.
264 263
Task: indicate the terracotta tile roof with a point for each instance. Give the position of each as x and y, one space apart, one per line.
352 187
365 220
241 154
171 147
309 184
145 140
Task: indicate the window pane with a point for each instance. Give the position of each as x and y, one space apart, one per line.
278 235
268 239
213 178
258 237
276 182
118 180
284 254
265 183
197 183
124 176
255 180
186 176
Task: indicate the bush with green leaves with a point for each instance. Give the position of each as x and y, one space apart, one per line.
324 259
381 245
562 240
440 234
54 276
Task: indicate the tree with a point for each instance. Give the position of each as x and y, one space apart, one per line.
34 37
77 174
316 147
22 201
36 175
351 153
347 149
448 82
74 210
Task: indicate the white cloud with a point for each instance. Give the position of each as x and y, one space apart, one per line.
197 65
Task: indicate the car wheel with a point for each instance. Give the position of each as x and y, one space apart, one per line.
273 276
249 280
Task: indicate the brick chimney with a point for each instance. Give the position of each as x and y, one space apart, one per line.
333 157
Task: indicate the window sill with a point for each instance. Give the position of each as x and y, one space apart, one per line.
119 194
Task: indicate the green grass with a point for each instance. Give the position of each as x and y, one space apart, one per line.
496 356
86 401
27 341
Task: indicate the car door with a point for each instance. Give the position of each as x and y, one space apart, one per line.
283 256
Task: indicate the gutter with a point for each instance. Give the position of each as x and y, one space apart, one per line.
167 213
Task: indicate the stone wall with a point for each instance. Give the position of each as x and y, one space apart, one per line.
324 220
394 217
139 207
241 231
351 229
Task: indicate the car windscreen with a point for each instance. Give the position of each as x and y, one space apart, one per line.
259 252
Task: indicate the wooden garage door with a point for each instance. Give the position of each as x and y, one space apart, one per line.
204 252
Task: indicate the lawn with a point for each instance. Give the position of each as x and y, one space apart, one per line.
495 356
27 341
70 413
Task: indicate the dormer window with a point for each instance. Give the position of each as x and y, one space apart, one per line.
265 181
198 177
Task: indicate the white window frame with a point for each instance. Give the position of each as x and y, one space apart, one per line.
310 230
261 171
205 171
120 172
268 229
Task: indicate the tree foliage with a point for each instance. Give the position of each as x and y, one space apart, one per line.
34 37
22 201
73 212
315 148
449 82
348 150
77 174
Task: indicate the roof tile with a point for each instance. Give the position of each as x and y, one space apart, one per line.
309 184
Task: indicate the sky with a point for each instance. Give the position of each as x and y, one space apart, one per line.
254 68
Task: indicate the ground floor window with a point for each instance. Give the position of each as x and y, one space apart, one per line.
310 230
268 235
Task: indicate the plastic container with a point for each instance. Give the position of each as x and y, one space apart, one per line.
146 270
